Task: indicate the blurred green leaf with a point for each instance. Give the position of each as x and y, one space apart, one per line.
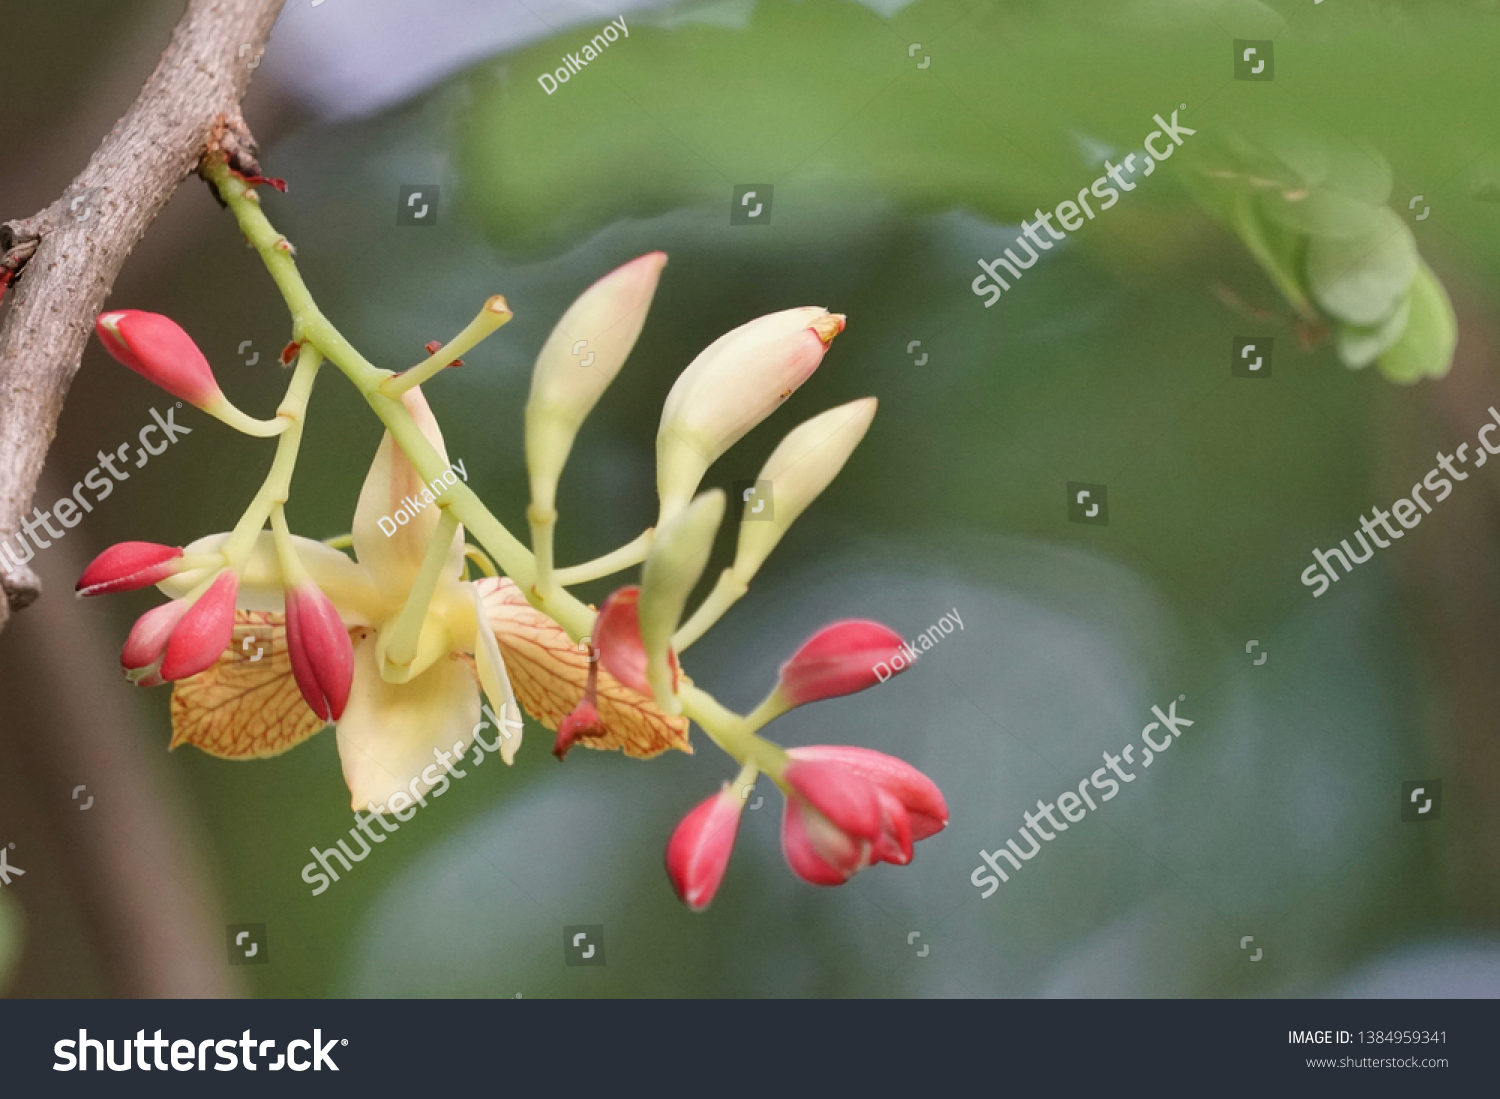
1362 279
1318 213
1426 347
1278 250
1360 345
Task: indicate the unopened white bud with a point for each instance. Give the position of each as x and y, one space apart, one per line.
737 381
807 460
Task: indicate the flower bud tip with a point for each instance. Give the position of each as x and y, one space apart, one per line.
827 327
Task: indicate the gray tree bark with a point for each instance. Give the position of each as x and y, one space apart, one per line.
64 259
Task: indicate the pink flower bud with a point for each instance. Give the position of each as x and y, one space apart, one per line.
816 850
617 637
321 653
850 801
894 844
128 566
852 807
840 659
698 852
205 631
157 348
141 656
921 797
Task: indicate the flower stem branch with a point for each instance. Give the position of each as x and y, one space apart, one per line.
311 326
727 592
731 732
460 504
277 487
632 553
491 317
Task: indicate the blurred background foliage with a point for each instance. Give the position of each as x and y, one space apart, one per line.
1277 814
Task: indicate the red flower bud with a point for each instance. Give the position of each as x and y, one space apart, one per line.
894 844
617 637
852 807
818 851
698 852
157 348
849 801
321 653
141 656
919 794
128 566
205 631
838 660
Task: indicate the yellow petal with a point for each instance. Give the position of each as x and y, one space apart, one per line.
344 581
247 705
389 731
393 551
489 665
548 672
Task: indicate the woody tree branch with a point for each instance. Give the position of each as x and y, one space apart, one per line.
61 263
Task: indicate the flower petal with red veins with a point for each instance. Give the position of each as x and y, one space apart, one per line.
550 673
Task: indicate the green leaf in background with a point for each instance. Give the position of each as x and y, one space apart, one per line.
1278 250
1362 279
1310 210
1320 212
1358 171
1426 347
1360 345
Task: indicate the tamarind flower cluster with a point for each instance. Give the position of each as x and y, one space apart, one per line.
398 647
